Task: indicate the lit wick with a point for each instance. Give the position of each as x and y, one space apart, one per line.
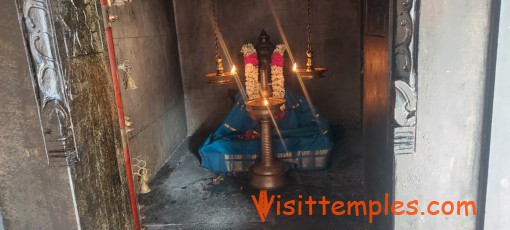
295 67
266 102
233 69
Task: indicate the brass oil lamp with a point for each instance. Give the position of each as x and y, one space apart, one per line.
219 77
267 173
310 72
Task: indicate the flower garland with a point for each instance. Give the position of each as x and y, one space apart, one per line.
251 71
277 72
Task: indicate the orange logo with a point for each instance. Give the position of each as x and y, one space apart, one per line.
263 205
357 208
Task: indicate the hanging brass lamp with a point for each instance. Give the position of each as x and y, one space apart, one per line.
310 72
219 77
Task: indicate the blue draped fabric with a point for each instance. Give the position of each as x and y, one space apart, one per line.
306 139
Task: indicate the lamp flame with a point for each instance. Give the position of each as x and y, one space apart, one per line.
266 102
295 67
233 69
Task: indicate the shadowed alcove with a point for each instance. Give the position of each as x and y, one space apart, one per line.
170 46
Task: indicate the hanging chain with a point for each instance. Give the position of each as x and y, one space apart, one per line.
215 28
309 11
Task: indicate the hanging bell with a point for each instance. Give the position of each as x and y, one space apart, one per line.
128 121
144 187
126 66
130 83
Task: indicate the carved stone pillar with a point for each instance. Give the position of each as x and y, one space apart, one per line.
57 31
405 76
74 93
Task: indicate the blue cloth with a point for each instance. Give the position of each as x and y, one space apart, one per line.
306 139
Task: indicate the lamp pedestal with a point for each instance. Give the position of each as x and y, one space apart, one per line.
267 173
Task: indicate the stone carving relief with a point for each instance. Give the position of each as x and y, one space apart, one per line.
81 36
404 77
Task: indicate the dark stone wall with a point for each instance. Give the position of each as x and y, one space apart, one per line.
33 195
336 41
145 34
100 176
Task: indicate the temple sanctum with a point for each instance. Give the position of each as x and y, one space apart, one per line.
254 114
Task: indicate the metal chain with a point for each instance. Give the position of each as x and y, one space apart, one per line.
215 28
309 11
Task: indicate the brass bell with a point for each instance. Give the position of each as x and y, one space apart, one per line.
130 83
128 121
126 66
144 187
112 18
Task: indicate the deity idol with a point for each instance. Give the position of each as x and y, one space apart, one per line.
303 142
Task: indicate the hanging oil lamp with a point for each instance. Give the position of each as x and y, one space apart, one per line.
219 77
310 72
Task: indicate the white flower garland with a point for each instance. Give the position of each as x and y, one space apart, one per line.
252 82
251 72
277 78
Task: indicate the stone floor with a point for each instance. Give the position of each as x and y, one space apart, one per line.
184 196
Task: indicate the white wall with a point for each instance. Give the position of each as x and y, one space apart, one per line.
498 182
452 54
